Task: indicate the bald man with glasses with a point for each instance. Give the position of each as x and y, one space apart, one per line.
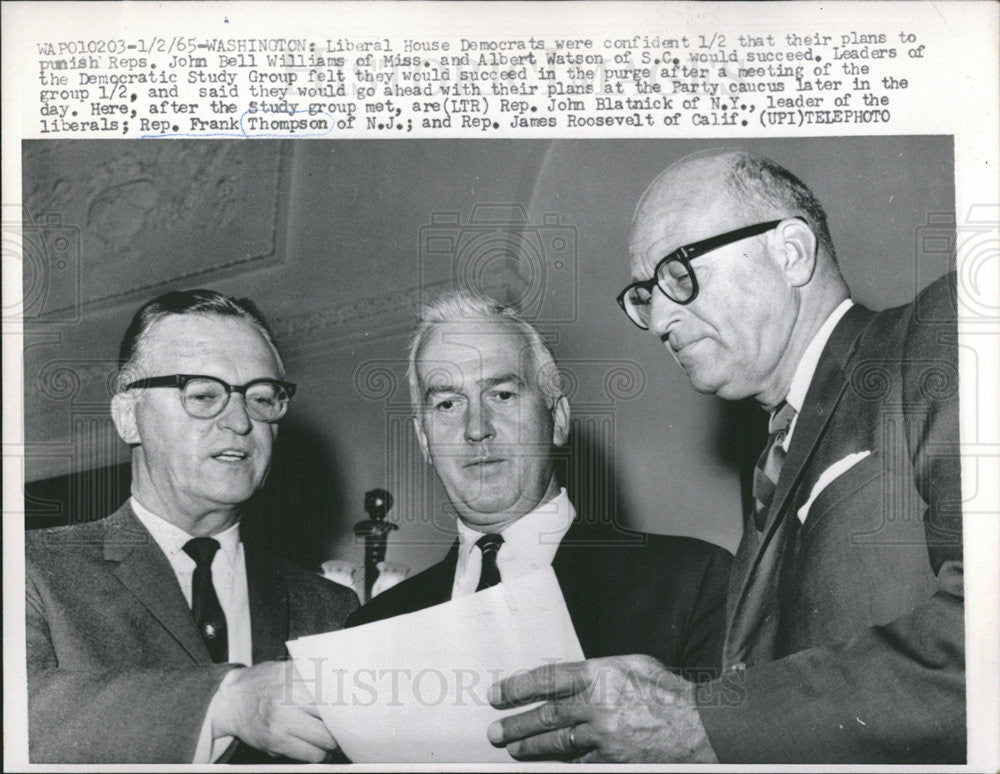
155 635
845 609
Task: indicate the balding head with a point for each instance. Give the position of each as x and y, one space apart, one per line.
685 183
760 298
747 184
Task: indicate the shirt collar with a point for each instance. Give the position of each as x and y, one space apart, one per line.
171 539
810 358
535 536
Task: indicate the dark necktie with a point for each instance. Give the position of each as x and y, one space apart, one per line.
490 574
205 607
765 475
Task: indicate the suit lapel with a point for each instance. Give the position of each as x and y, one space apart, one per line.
825 390
145 571
425 589
270 607
568 564
581 565
440 581
759 559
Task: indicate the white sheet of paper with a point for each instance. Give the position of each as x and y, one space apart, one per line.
413 688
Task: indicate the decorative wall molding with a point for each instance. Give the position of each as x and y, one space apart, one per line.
111 222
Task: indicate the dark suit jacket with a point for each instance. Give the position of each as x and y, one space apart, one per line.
117 671
845 634
625 592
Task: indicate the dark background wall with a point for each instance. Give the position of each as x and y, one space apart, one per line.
338 242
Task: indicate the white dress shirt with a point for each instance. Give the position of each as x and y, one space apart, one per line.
806 368
229 576
529 543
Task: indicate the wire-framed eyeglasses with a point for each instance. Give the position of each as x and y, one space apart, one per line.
674 275
205 397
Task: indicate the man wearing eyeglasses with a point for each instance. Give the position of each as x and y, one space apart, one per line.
845 614
137 624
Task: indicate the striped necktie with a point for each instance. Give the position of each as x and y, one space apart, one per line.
765 475
490 574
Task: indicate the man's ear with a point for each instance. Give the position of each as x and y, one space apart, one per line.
422 439
794 246
123 414
560 421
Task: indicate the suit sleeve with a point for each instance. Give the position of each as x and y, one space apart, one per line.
707 627
893 693
103 716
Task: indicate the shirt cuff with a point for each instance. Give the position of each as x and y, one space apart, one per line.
211 747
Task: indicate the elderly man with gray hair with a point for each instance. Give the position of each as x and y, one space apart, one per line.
489 415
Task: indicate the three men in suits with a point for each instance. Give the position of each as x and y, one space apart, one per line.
137 624
489 414
845 624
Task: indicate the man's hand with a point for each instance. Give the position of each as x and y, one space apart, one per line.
622 709
269 707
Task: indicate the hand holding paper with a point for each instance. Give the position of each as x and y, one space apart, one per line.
268 707
414 688
620 709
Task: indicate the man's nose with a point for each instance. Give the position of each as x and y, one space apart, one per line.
234 416
663 312
478 425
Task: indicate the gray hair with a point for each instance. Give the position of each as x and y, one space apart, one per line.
200 301
462 306
755 180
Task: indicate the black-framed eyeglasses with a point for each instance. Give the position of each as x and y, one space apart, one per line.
676 278
205 397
